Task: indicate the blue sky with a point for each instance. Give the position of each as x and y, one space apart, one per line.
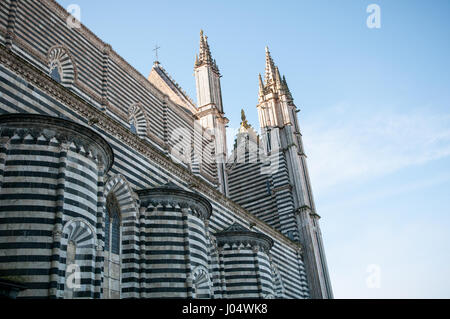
375 115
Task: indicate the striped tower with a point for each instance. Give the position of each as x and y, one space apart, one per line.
175 255
51 175
244 263
250 179
210 109
283 141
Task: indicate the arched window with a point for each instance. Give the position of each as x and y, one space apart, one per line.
55 74
61 66
112 225
112 267
133 127
137 120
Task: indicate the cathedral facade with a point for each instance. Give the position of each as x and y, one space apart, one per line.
113 185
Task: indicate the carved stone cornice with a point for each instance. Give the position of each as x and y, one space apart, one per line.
238 235
33 127
41 81
208 109
171 194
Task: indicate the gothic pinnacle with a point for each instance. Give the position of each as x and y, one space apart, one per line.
204 56
205 53
261 86
270 68
286 88
278 78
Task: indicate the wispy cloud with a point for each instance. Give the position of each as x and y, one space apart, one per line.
351 147
345 145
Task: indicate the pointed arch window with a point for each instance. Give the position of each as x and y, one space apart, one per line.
112 225
112 266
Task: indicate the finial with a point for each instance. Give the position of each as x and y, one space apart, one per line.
278 77
270 68
204 56
244 122
261 85
243 118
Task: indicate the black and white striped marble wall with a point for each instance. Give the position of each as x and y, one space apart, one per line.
85 191
175 244
51 172
17 97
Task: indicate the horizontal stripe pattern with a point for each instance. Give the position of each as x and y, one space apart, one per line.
17 96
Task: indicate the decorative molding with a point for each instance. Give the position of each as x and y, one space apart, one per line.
172 195
33 127
239 235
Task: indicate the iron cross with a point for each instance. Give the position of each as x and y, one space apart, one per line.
156 51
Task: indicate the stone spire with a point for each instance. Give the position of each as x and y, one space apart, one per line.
210 112
278 83
270 69
280 132
273 82
205 56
